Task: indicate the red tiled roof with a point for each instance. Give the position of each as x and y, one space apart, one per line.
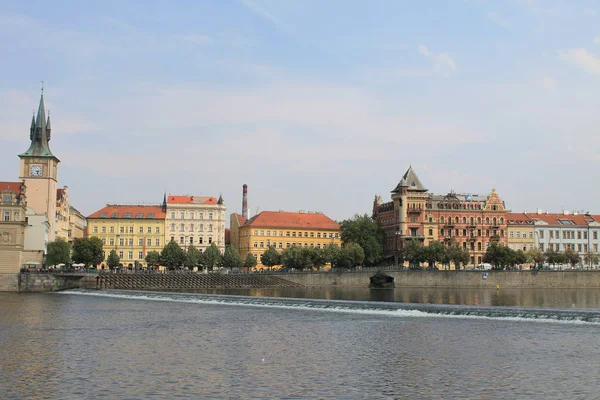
518 219
15 187
560 219
116 211
191 200
281 219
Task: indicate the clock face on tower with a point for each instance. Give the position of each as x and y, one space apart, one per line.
36 170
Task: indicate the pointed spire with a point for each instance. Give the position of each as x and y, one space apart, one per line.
220 201
411 181
164 203
39 133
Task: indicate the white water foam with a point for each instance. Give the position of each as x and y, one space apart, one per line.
272 303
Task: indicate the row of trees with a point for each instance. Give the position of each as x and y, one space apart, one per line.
87 251
303 258
502 256
415 253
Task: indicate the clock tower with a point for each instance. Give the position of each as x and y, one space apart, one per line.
39 169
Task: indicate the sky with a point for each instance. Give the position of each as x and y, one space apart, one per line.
316 105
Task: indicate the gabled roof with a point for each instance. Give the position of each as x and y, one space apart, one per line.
240 218
191 200
282 219
116 211
14 187
411 181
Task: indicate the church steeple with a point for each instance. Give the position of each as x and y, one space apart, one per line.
39 133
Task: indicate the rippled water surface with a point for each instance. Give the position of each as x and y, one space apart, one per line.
135 345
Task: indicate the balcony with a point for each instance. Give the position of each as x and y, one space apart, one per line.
415 210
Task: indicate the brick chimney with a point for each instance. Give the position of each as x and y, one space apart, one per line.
245 201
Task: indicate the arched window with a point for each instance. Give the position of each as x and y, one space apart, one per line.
182 227
495 221
191 227
464 220
471 220
478 220
456 220
442 219
487 220
501 221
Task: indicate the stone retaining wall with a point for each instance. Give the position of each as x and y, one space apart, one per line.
457 279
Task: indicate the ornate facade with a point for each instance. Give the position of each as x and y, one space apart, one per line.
13 207
195 220
471 221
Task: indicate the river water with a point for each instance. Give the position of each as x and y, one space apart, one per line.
328 343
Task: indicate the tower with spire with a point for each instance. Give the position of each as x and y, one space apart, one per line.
39 169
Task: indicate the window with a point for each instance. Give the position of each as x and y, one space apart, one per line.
288 245
456 220
442 220
541 234
430 232
256 245
140 255
288 234
201 215
182 215
122 229
262 233
7 198
280 233
104 241
464 232
518 234
268 233
478 232
139 215
201 228
149 229
127 215
293 234
578 234
281 245
181 240
442 232
111 241
120 254
305 234
511 234
210 215
140 242
595 247
312 234
104 215
531 235
191 240
579 248
172 215
150 215
7 218
131 242
595 235
131 229
141 229
157 230
464 220
478 220
200 240
182 227
130 255
209 239
210 228
585 235
103 229
262 244
157 242
148 242
487 220
172 238
121 242
191 227
172 227
191 215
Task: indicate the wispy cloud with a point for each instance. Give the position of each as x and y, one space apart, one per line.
597 39
583 59
262 12
443 62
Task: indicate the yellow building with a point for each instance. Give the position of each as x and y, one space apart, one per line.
76 224
521 232
132 231
13 204
282 230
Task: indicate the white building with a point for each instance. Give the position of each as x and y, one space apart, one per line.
195 220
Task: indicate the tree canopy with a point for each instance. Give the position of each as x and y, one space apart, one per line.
194 258
113 260
250 261
59 252
364 231
172 255
153 258
270 258
212 257
231 259
87 251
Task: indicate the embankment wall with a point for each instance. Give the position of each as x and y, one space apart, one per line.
457 279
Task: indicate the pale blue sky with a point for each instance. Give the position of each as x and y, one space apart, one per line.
316 105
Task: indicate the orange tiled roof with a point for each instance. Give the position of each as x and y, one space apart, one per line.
15 187
191 200
558 219
282 219
518 219
240 218
116 211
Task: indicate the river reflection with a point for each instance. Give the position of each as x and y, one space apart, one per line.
537 298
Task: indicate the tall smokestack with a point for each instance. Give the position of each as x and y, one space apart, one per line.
245 201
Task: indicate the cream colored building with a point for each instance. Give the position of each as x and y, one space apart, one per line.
195 220
77 223
37 235
62 214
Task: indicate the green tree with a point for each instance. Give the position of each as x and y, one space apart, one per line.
320 258
349 256
414 253
520 257
231 259
193 257
250 261
212 257
270 258
172 255
551 256
434 253
59 252
113 260
364 231
499 256
87 251
571 257
153 258
535 256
